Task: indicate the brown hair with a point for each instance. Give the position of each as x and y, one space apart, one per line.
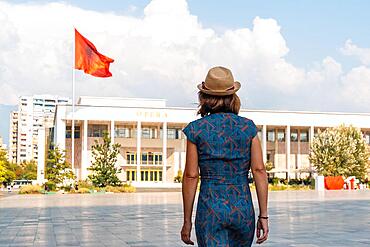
209 104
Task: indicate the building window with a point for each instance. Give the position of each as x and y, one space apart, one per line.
294 135
151 158
69 132
173 133
122 132
158 158
145 133
259 134
131 158
281 136
151 175
97 130
130 175
367 137
271 135
303 136
149 133
144 158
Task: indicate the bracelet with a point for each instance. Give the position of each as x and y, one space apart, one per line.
263 217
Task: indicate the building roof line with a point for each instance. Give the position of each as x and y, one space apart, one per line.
242 110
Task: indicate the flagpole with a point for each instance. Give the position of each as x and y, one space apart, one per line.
73 104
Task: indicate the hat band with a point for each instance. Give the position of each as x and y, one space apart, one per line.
215 90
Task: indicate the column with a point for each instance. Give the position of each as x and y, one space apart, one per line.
176 156
84 161
299 156
60 131
138 150
310 139
112 131
183 161
264 143
287 149
164 152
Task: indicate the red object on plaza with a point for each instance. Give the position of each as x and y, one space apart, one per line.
334 183
352 184
88 59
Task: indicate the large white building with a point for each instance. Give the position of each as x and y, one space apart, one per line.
153 145
34 113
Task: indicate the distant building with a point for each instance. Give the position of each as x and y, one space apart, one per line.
2 145
34 113
13 136
153 145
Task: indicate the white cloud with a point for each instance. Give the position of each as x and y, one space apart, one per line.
356 86
350 49
163 54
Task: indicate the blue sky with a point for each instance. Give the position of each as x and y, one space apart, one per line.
327 67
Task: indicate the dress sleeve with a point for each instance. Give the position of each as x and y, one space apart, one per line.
254 129
190 133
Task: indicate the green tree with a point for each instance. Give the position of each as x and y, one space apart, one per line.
340 151
58 170
27 170
104 171
7 169
2 165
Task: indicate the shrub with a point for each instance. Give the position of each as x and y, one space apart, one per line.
66 188
83 191
85 184
127 188
50 186
283 181
294 181
112 189
178 178
274 181
278 187
30 189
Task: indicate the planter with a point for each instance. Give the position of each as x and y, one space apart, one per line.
334 183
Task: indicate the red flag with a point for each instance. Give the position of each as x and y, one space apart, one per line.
88 59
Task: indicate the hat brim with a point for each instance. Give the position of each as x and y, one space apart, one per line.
236 87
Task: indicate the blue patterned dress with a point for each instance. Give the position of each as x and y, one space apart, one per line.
225 214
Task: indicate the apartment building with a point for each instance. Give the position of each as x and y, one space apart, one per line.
13 137
34 113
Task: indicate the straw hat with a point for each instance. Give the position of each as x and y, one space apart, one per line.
219 82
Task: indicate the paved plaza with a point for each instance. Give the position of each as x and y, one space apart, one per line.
306 219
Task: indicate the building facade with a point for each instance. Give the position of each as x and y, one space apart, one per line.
13 137
153 145
34 113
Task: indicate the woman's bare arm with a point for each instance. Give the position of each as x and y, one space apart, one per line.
189 187
260 178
